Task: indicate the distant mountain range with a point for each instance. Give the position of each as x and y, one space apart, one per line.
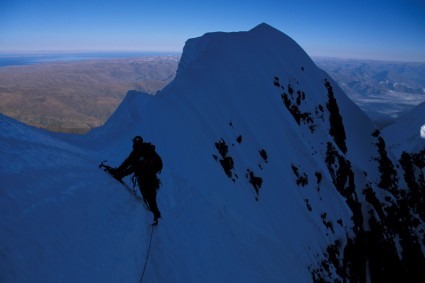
384 90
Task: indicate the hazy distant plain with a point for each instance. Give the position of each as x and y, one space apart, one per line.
76 95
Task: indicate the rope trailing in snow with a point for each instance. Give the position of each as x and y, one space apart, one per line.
147 255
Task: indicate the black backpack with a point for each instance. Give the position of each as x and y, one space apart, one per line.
154 160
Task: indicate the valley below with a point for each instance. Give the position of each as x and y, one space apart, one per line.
384 90
76 96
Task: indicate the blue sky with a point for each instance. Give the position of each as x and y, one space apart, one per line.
374 29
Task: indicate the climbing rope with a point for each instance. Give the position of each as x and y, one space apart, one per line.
147 255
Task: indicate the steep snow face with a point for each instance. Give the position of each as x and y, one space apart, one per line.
225 132
55 224
236 96
270 174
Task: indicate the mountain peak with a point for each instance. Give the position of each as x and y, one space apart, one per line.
263 45
264 27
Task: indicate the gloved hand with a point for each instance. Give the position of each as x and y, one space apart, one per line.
112 170
115 173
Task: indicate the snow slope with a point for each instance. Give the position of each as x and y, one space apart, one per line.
265 161
405 134
55 224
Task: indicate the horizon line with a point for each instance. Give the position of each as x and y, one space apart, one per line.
174 53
